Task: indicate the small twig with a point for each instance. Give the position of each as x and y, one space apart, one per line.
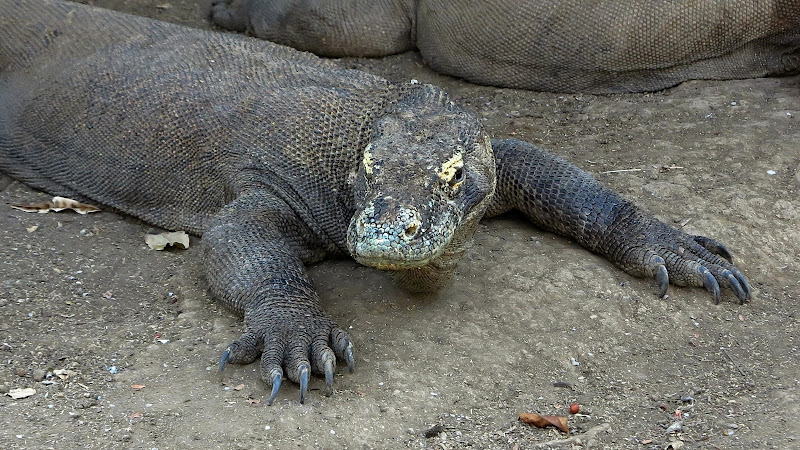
683 224
584 438
733 362
621 170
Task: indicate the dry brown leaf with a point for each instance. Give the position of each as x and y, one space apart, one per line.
58 204
238 387
252 401
540 421
160 241
137 387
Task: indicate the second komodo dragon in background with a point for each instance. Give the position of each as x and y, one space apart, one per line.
280 159
598 46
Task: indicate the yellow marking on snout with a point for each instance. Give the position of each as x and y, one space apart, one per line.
368 162
450 167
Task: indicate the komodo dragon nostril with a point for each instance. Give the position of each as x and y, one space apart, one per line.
411 230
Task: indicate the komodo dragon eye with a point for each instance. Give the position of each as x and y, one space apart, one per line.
452 171
458 177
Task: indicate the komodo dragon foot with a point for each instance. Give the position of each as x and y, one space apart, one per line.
657 250
302 343
688 259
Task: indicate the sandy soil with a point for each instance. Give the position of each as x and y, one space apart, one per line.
531 322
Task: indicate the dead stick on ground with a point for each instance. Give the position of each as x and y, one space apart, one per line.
582 438
621 170
733 362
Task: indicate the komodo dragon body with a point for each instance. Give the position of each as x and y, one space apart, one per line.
280 159
603 46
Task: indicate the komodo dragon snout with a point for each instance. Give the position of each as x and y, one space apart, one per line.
423 177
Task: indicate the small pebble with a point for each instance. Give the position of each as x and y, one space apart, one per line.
433 431
676 427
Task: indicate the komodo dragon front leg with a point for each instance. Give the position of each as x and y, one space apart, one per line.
256 236
559 197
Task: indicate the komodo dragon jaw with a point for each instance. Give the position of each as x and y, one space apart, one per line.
423 184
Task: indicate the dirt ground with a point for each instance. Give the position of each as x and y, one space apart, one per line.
530 323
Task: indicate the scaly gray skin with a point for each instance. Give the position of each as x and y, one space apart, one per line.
279 159
605 46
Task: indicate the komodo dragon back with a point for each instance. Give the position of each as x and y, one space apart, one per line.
279 159
162 113
603 46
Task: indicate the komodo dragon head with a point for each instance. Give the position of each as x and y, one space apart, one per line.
424 183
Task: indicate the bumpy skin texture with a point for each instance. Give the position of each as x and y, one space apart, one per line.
279 159
606 46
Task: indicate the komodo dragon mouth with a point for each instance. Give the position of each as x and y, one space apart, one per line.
391 236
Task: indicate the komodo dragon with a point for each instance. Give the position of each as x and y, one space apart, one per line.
603 46
280 159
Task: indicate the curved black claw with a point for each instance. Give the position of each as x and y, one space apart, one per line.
341 344
748 291
711 284
305 372
662 277
714 247
735 285
276 377
349 358
330 362
223 359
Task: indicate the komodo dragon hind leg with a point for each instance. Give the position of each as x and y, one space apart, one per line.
255 248
559 197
